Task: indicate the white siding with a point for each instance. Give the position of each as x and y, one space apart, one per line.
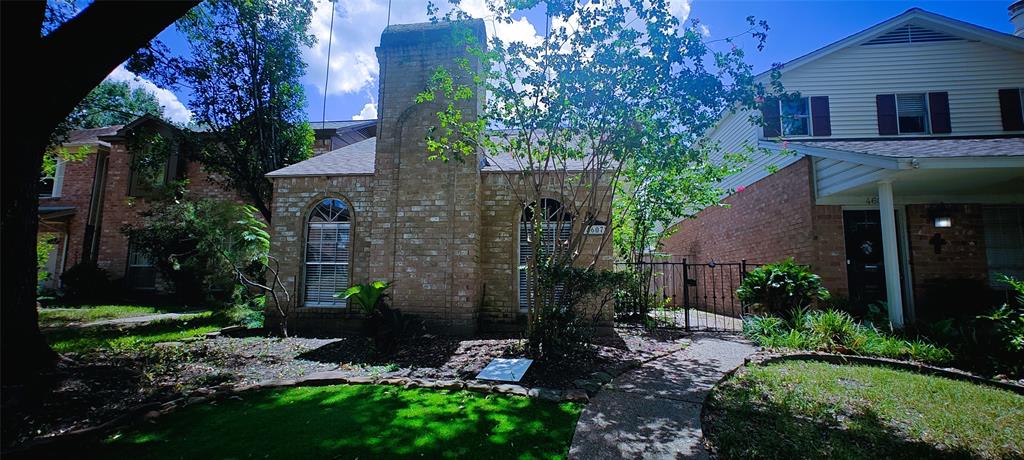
971 72
829 173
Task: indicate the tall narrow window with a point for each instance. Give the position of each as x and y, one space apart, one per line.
328 242
141 269
50 184
1004 242
556 230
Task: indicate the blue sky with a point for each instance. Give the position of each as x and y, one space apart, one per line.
797 27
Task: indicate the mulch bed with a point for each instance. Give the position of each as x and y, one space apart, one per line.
89 389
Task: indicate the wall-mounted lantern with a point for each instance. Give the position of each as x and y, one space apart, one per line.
941 215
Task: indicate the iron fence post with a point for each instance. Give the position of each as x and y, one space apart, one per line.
743 276
686 296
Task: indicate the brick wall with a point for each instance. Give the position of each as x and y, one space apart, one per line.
500 218
956 278
294 199
76 191
770 220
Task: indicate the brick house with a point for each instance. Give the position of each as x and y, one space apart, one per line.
85 205
902 178
448 234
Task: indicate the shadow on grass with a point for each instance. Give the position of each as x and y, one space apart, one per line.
123 336
365 421
740 422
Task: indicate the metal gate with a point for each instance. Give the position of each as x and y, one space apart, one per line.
691 296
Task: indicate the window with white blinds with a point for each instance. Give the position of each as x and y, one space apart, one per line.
556 222
912 113
328 253
1004 242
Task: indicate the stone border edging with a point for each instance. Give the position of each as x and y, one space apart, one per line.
920 368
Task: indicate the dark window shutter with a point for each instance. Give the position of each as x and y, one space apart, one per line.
133 178
938 112
772 121
821 120
1009 107
885 104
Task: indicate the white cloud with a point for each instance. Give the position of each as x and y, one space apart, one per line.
174 110
704 30
369 112
357 28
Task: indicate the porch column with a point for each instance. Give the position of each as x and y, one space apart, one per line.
890 254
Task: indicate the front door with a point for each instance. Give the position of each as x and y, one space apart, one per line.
865 269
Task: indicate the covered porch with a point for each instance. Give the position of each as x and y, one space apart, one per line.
929 225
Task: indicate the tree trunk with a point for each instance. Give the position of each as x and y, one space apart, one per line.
38 94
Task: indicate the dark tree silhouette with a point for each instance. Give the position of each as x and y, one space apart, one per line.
42 79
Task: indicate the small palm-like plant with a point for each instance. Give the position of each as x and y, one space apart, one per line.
369 296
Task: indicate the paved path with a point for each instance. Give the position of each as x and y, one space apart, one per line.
139 320
653 412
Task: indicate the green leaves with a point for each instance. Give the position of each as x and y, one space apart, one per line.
369 297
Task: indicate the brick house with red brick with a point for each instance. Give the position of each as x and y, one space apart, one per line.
895 174
447 234
86 204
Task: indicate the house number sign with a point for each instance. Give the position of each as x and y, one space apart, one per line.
596 229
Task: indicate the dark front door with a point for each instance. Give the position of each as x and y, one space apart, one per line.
865 269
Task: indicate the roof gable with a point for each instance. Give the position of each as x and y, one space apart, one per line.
913 26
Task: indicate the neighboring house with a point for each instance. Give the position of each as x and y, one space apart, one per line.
85 206
448 234
905 180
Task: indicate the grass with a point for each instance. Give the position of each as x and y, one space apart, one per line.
836 331
133 337
815 410
59 317
356 421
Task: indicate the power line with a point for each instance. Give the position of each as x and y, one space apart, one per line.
327 77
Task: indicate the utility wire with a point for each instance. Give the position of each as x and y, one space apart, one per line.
327 77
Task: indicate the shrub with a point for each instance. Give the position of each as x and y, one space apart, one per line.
836 331
780 287
1009 319
385 324
86 283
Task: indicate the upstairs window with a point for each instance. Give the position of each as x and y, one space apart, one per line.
912 113
797 116
1011 108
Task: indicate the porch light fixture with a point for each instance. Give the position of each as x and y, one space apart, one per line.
941 215
943 222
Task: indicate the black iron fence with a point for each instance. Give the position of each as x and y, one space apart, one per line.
685 295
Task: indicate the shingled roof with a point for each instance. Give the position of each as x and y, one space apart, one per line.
358 159
926 148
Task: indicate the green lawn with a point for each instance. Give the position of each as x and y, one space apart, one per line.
59 317
818 410
356 421
130 337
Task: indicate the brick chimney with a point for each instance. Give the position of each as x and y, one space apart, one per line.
426 224
1016 10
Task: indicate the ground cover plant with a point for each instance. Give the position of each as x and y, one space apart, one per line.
836 331
779 287
817 410
357 421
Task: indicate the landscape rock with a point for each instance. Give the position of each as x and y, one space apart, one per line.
511 390
168 344
325 378
579 396
546 394
362 379
481 387
591 386
602 377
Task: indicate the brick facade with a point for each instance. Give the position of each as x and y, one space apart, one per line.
770 220
443 232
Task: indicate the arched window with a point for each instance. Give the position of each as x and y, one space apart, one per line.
555 221
328 243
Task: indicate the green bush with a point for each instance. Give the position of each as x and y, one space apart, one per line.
836 331
86 283
780 287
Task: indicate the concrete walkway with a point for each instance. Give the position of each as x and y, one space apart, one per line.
653 412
